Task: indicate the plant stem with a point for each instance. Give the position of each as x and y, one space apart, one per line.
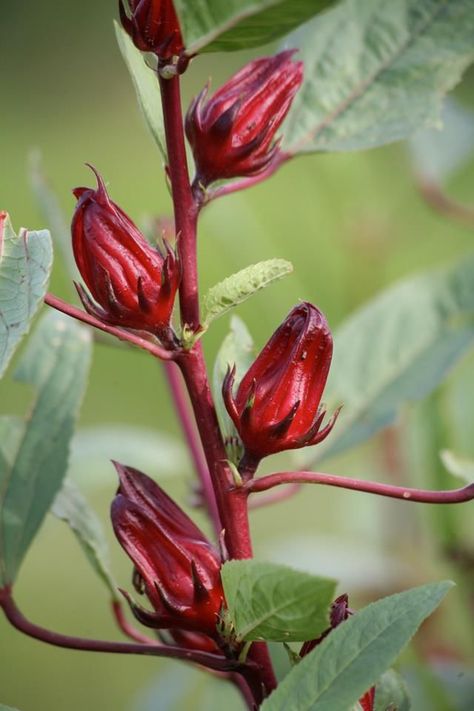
231 502
126 627
185 209
15 617
120 333
180 400
453 496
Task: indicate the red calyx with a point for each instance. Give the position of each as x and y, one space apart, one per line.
153 26
340 612
132 283
277 406
233 133
176 566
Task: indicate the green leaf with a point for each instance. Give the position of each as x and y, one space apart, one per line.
216 26
7 708
273 602
33 465
237 349
397 349
351 659
25 266
238 287
391 693
145 82
71 507
376 71
458 466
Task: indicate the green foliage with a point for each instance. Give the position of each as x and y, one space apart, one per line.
240 286
391 693
25 266
396 350
215 26
34 454
273 602
71 507
376 71
351 659
237 349
7 708
146 86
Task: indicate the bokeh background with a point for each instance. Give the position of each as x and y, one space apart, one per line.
351 224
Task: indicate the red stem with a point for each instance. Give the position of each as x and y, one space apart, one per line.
185 209
231 503
119 333
15 617
194 444
453 496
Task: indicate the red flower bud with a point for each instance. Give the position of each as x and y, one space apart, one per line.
133 283
153 26
277 405
340 612
233 133
176 566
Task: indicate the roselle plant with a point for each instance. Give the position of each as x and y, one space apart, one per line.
352 76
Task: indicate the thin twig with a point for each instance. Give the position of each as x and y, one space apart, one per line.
119 333
453 496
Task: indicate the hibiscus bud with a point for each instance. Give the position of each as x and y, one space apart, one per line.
233 133
277 405
153 26
340 612
176 566
132 283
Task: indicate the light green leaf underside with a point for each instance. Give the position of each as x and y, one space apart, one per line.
25 266
34 461
396 350
376 71
241 285
273 602
351 659
214 26
71 507
145 82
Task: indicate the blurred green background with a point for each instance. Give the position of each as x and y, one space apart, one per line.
350 224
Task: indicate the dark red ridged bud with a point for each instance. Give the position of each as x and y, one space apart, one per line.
277 405
153 26
340 611
133 284
233 133
176 566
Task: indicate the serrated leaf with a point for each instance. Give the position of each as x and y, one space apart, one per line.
274 602
351 659
145 82
72 507
25 266
56 362
458 466
391 693
396 350
216 26
240 286
237 349
376 71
